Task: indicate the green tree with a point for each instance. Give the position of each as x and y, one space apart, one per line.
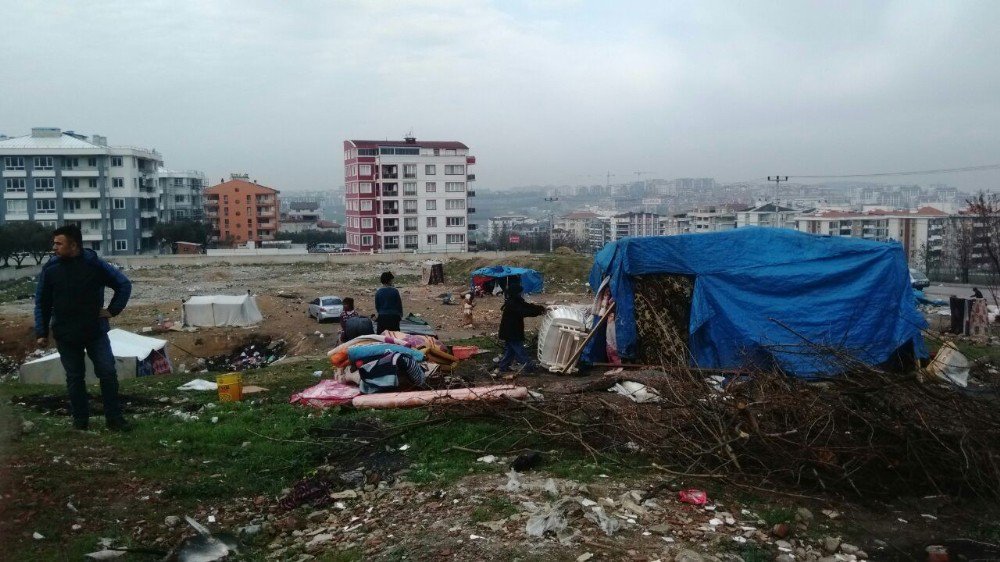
6 244
181 231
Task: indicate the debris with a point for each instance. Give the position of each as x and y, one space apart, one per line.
105 554
693 496
203 547
317 374
635 391
172 521
488 459
344 495
527 461
37 536
550 520
584 557
426 397
831 513
608 524
325 393
198 384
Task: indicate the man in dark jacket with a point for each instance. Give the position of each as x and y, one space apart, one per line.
70 296
514 310
388 304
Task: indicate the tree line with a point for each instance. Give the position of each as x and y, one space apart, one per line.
23 239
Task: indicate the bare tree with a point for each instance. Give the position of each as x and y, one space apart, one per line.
986 208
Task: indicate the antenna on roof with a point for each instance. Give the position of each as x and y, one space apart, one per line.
409 138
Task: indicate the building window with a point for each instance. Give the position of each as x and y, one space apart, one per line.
71 183
454 170
14 184
71 204
121 245
366 204
410 224
366 240
454 186
17 206
454 204
94 204
409 170
118 203
45 184
432 238
410 241
430 170
92 183
117 162
367 223
432 204
456 238
13 162
92 162
119 224
410 206
364 169
118 182
455 221
432 222
391 242
430 187
71 162
409 188
366 187
43 162
45 206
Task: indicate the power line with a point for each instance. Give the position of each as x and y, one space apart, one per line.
913 173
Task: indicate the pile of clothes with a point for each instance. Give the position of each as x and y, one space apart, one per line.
391 361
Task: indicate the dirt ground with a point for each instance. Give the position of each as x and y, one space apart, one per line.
283 293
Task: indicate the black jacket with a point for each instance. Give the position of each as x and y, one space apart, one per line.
70 295
515 310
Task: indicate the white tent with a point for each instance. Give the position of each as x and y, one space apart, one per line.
221 310
130 351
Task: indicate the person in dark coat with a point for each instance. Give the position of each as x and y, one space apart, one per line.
513 312
388 305
70 297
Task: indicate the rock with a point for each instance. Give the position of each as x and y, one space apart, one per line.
250 530
783 545
803 515
172 521
319 540
849 549
688 556
831 544
344 495
661 529
27 426
780 530
317 515
584 557
784 557
862 555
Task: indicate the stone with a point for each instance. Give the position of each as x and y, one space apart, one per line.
784 557
831 544
661 529
781 530
27 426
584 557
849 549
803 515
344 495
172 521
688 556
318 540
317 515
250 530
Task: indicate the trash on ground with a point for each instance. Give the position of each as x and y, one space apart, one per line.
325 393
950 365
636 391
692 496
198 384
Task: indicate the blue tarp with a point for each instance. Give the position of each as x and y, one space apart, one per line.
531 280
771 294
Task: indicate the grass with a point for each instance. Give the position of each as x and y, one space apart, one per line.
494 509
11 291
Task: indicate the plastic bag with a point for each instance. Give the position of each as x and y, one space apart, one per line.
694 497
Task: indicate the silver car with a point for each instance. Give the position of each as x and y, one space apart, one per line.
325 308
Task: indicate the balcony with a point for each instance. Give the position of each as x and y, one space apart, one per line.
473 226
210 215
147 214
471 193
470 177
147 233
80 173
90 235
81 214
390 229
393 211
390 193
81 193
409 211
390 176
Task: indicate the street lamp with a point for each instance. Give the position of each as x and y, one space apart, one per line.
551 219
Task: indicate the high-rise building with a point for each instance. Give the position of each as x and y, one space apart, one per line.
408 195
181 194
57 177
239 211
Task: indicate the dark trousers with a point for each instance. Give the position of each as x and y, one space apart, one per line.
388 322
514 350
99 351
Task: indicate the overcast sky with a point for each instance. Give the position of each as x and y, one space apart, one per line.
555 91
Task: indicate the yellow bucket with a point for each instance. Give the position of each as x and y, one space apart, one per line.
230 387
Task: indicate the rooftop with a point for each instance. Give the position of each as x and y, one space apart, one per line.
405 143
238 183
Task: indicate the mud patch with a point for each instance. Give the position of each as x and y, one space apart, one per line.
58 404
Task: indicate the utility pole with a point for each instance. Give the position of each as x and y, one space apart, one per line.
551 219
607 184
777 183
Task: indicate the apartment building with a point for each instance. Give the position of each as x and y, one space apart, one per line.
240 211
57 177
712 219
181 194
769 215
920 231
606 229
408 195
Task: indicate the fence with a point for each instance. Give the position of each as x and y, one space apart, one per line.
954 275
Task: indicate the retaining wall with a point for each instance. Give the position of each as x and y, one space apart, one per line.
202 259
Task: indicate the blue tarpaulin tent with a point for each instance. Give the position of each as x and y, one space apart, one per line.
531 280
774 293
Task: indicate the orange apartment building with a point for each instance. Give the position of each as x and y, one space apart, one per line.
240 210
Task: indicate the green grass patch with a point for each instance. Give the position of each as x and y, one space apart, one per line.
772 515
494 509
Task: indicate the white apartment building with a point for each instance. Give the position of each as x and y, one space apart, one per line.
769 215
712 219
408 195
55 178
921 231
181 194
602 230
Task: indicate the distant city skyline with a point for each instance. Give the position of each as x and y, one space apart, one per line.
555 92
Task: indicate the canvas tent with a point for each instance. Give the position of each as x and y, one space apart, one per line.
135 356
488 277
769 295
221 310
432 273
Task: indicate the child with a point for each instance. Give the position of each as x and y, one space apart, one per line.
467 306
388 304
348 312
514 310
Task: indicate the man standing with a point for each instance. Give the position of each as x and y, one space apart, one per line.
388 305
70 295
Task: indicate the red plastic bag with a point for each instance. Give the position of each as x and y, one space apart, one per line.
696 497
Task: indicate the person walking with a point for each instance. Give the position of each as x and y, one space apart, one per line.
70 296
514 310
388 305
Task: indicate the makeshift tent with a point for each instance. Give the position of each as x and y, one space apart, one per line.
432 273
770 295
221 310
488 277
135 356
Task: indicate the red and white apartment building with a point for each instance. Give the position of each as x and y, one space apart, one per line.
408 195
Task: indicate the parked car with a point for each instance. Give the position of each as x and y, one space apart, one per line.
325 308
918 280
325 248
